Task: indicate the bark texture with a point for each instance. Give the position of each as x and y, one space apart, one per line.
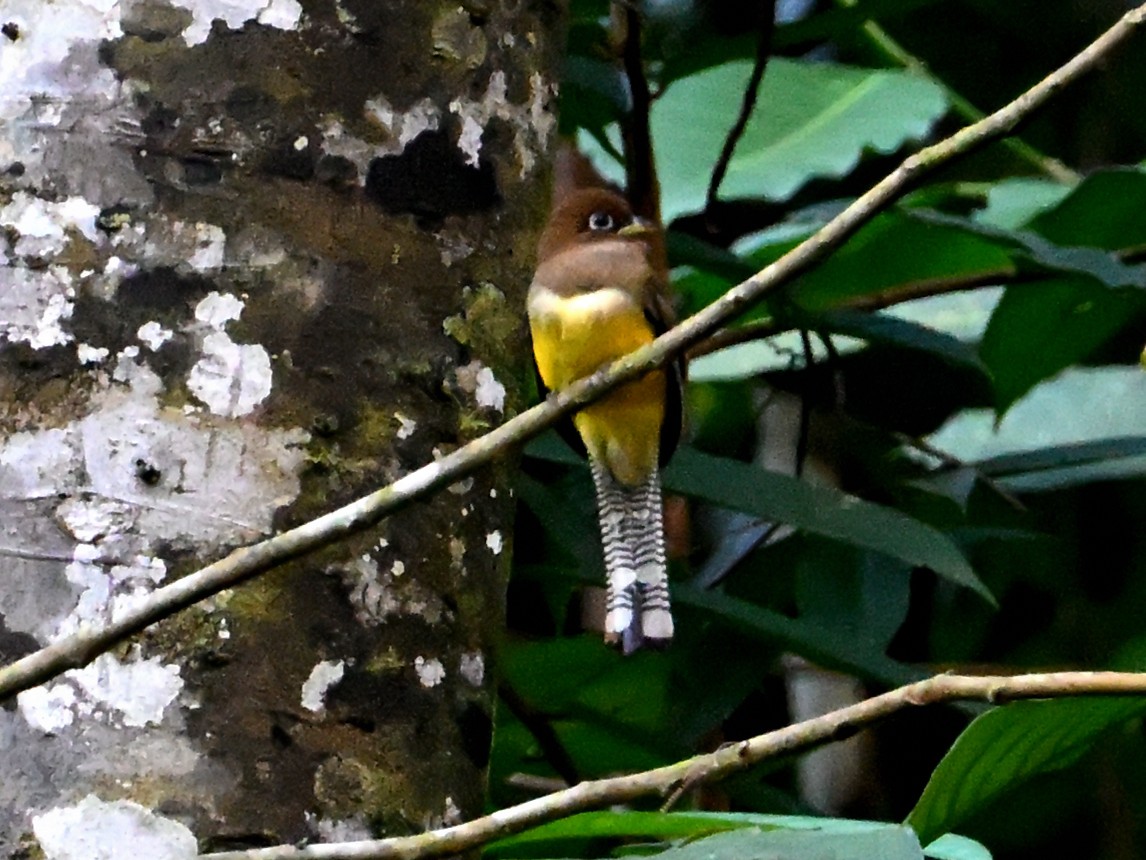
256 258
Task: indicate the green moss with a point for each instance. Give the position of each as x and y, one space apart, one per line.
470 424
260 600
455 38
377 425
28 848
488 325
345 786
386 662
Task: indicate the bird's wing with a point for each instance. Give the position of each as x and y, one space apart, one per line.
564 426
662 317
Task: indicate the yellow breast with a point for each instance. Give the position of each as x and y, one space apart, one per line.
572 337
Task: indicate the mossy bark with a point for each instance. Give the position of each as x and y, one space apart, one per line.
299 274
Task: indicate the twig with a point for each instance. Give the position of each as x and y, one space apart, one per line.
640 163
547 739
950 461
805 426
702 769
766 25
535 784
760 329
81 648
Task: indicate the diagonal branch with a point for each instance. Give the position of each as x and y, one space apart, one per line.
84 646
711 767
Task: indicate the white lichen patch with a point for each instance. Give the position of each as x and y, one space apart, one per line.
453 247
88 354
397 128
494 542
457 553
337 141
77 515
187 246
210 243
153 335
217 309
49 35
340 830
42 226
479 381
472 668
35 304
322 677
490 393
231 379
403 126
49 709
533 123
136 692
280 14
116 830
130 691
430 671
406 426
378 594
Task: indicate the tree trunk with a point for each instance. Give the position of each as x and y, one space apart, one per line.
252 268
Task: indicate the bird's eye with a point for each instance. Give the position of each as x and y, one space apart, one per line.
601 222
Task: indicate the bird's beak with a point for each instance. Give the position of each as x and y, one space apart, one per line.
639 227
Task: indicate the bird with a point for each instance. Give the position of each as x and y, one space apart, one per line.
600 290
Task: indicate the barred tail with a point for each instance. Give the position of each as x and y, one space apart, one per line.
633 538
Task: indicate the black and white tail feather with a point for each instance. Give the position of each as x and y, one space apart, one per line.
637 607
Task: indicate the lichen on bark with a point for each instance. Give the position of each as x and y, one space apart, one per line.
241 318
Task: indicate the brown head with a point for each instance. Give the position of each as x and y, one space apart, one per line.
589 215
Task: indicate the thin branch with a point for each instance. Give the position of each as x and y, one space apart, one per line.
950 461
766 26
726 761
640 163
543 732
805 426
765 328
81 648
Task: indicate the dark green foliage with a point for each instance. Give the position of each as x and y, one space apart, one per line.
998 312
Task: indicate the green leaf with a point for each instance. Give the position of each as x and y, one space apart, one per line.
887 843
819 510
616 825
1104 211
1007 746
806 836
1066 465
898 249
1012 203
862 594
1080 405
1042 255
888 330
831 647
1039 329
952 847
686 250
811 120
